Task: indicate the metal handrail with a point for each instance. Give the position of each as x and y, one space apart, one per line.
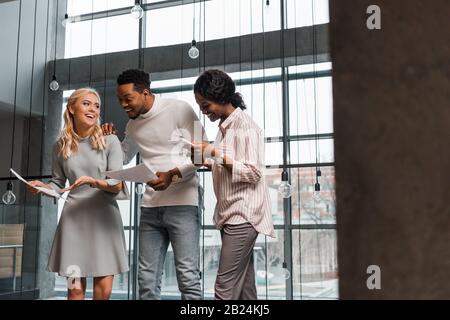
10 246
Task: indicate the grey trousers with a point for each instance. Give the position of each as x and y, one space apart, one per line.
179 225
236 275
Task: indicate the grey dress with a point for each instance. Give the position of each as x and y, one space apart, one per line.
89 239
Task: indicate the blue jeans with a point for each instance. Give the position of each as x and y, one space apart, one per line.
179 225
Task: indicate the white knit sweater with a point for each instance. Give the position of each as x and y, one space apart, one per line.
151 134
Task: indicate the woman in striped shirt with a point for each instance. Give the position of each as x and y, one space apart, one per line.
243 207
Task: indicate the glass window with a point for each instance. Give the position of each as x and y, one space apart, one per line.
264 105
268 261
112 34
270 274
167 26
304 106
305 151
273 152
300 13
209 198
210 20
210 243
311 206
231 18
255 73
79 7
153 1
314 257
273 180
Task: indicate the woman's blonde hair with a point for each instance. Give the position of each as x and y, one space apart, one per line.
68 139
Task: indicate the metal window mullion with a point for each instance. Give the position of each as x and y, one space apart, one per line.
252 81
135 237
287 204
126 10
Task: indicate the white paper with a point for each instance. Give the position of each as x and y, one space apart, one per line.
140 173
49 192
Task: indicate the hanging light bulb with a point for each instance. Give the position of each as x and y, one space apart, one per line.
9 197
285 189
137 12
317 186
193 51
65 21
286 273
316 194
54 85
140 188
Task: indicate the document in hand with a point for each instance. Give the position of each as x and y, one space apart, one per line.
49 192
140 173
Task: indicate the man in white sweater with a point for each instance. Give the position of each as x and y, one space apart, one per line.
169 212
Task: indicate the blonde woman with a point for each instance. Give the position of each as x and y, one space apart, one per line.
89 240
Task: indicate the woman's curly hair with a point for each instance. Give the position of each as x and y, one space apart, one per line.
218 87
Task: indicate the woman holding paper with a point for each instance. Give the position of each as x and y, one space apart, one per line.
89 240
243 205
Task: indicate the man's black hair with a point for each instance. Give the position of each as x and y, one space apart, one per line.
139 78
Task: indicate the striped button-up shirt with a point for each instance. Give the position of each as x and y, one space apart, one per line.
242 194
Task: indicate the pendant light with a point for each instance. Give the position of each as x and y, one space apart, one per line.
285 271
54 85
140 188
44 90
316 194
285 188
65 21
9 197
136 11
193 52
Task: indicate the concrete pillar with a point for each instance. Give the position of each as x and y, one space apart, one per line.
392 116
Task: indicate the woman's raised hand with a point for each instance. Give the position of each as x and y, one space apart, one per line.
80 182
36 183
